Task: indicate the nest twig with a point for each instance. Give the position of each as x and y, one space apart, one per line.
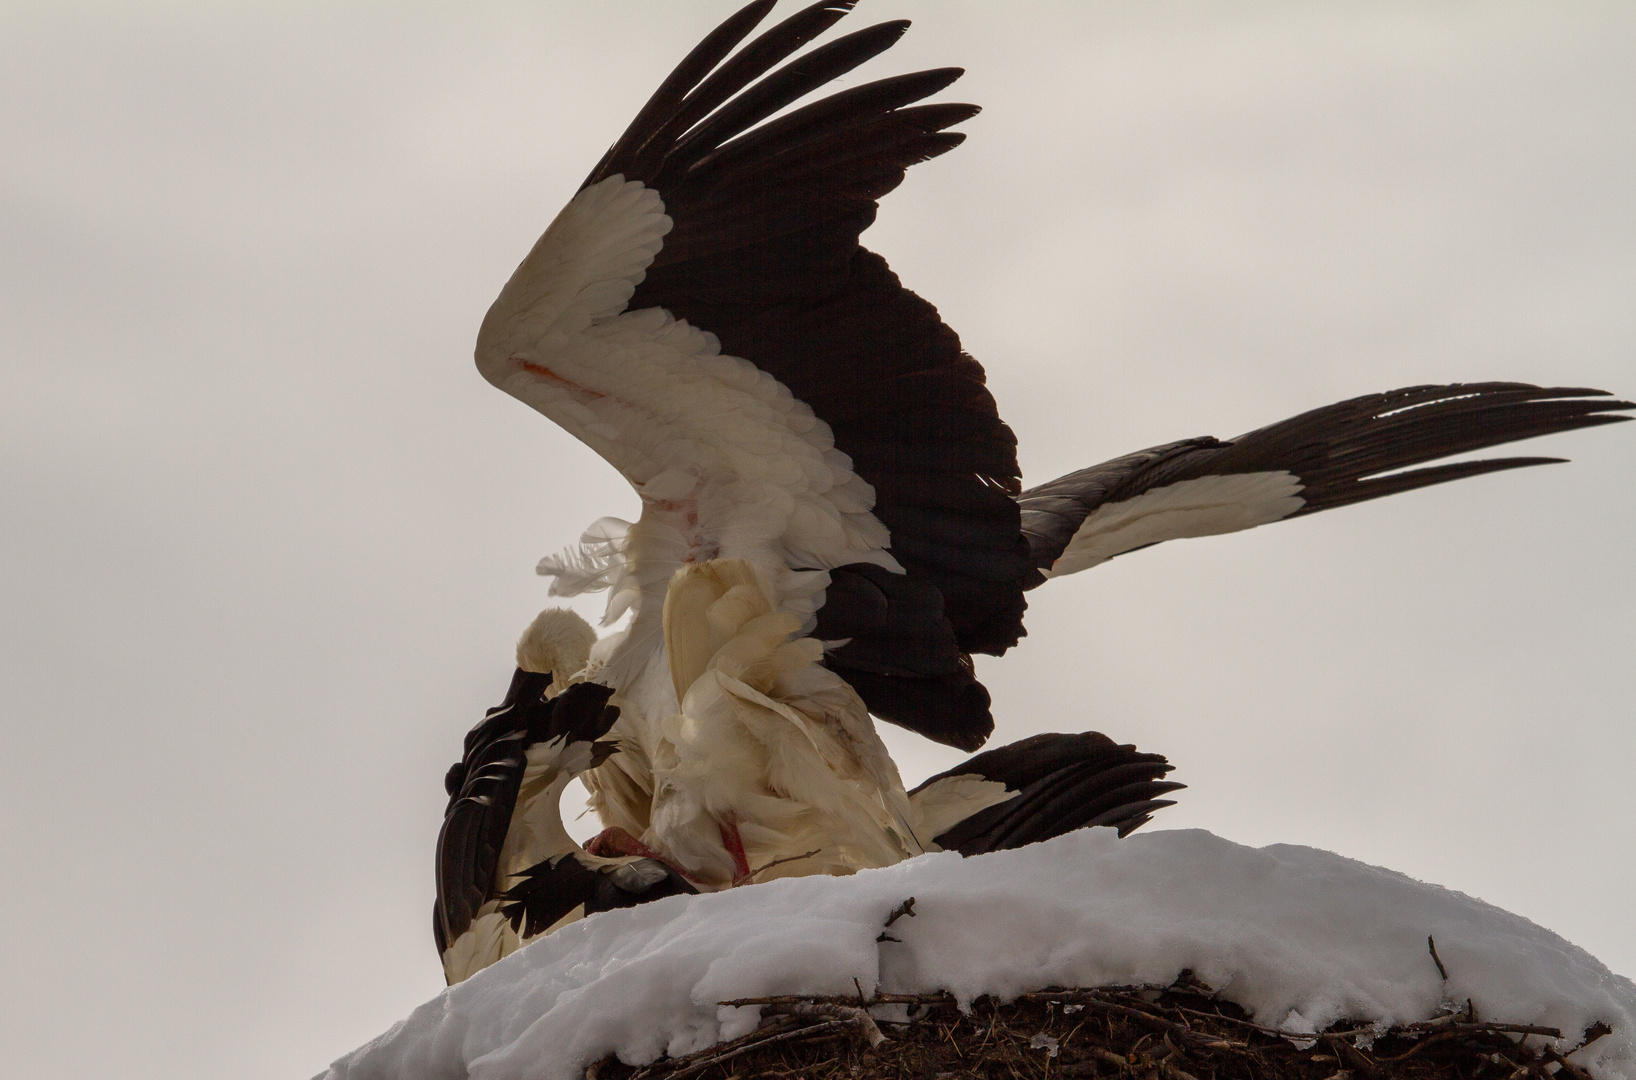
1181 1031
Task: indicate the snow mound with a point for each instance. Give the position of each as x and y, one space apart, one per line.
1299 937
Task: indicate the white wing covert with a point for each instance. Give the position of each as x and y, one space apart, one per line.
709 439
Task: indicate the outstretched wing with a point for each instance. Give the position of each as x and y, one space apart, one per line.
482 789
485 784
1058 783
1344 453
702 315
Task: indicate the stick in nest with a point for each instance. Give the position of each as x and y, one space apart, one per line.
1432 947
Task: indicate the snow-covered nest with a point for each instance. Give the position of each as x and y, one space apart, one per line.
1299 938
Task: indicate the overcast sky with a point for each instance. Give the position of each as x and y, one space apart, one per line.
267 537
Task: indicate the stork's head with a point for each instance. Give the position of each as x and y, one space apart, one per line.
557 643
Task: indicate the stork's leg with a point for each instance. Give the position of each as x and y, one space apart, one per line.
734 844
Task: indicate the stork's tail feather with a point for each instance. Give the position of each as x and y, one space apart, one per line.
1064 782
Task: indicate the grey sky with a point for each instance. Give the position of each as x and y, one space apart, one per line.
268 537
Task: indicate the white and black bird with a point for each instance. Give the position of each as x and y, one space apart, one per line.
758 708
507 870
702 315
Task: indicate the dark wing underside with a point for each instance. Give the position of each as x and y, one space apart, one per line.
1066 782
555 887
483 788
482 791
764 254
1340 454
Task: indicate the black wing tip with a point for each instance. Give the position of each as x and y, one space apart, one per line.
1130 825
896 27
1478 466
965 740
1434 391
1555 391
939 115
747 18
1577 401
753 12
1065 782
940 78
1416 425
871 41
1606 415
837 7
1352 451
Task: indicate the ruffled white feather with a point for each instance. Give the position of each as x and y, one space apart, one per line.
766 739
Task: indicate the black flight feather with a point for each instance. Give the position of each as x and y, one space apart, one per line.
483 788
766 208
1341 454
1064 782
555 887
665 100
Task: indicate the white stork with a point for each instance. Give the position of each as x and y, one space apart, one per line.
702 315
757 705
507 870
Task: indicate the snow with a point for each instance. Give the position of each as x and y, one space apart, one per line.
1298 937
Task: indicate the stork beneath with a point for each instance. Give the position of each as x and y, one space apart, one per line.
507 870
765 736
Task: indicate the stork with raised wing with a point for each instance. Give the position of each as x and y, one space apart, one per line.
702 315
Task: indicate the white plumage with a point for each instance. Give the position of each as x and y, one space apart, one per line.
771 756
557 643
